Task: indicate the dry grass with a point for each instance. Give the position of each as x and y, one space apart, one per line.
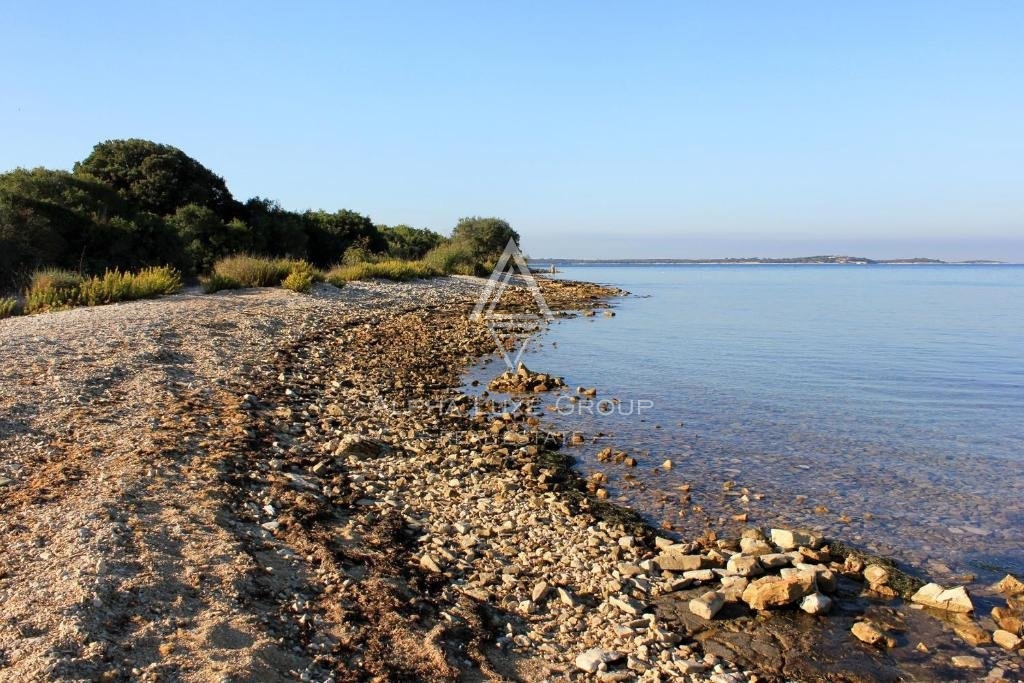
242 270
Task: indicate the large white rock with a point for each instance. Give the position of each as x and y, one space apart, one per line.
790 539
816 603
952 599
593 658
707 605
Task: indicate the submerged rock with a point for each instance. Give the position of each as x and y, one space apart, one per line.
867 632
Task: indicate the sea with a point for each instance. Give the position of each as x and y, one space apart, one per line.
882 405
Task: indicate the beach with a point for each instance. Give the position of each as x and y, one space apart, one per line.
274 486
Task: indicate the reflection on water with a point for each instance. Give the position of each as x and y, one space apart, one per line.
880 404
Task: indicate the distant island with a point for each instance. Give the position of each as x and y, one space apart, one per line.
834 259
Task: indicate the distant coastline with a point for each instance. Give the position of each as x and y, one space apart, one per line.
799 260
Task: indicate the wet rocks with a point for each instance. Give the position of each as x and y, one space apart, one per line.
867 632
788 539
1008 620
967 662
708 604
775 591
1010 585
816 603
1007 640
524 381
952 600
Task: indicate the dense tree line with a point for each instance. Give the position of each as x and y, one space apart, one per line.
135 203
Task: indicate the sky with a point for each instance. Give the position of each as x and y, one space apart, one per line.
598 129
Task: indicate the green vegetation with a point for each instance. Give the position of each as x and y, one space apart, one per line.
136 206
9 306
54 289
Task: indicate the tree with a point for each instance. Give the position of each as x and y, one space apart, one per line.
485 237
206 237
157 178
275 231
406 242
330 234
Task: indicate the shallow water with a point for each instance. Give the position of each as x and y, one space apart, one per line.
880 404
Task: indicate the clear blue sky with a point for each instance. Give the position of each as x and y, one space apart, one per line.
598 129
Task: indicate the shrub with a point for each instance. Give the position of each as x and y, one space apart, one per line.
8 306
254 271
217 283
385 270
301 278
453 259
52 289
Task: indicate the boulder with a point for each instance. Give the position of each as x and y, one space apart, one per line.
775 591
674 562
707 605
867 632
876 575
1007 640
1010 585
816 603
789 539
741 565
952 600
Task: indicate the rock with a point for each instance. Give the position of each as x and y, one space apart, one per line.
628 605
1010 585
867 632
672 562
876 575
775 560
967 662
1007 620
733 587
539 591
593 658
699 575
971 633
430 564
1007 640
755 546
361 447
707 605
566 597
816 603
740 565
774 591
952 600
788 539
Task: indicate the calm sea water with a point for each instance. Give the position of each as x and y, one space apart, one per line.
880 404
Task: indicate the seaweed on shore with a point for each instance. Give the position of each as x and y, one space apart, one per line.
573 487
899 580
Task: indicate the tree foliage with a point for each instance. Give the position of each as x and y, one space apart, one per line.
133 204
485 237
157 178
406 242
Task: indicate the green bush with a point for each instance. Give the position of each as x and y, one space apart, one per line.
300 280
385 270
52 289
454 258
218 283
9 306
254 271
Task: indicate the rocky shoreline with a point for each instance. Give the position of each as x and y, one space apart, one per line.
275 486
